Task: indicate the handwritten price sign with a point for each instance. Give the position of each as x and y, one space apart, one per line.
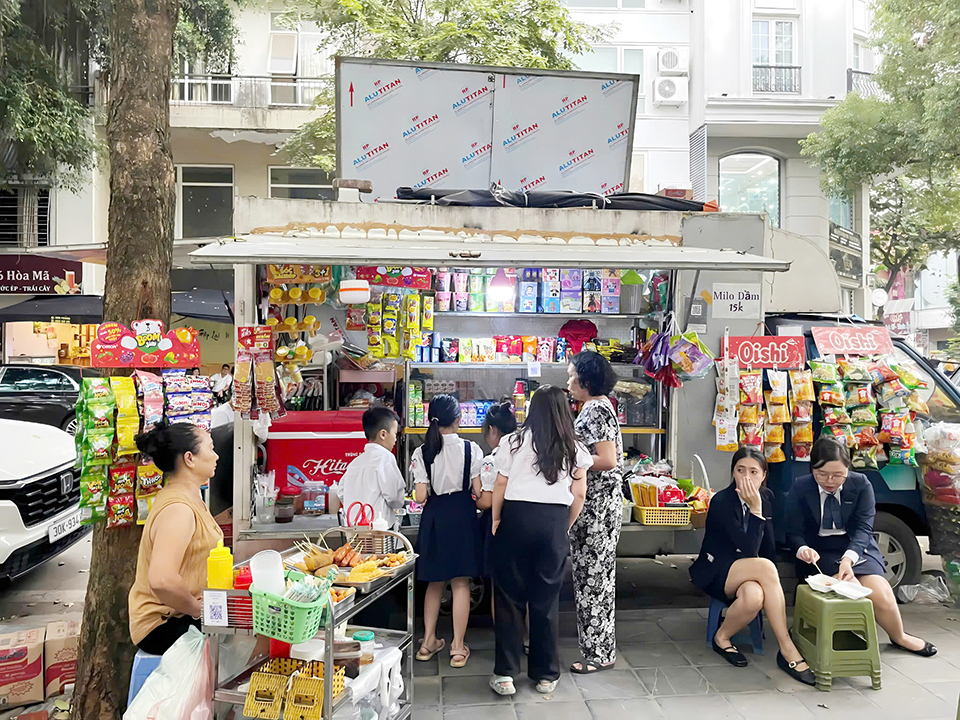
784 353
850 340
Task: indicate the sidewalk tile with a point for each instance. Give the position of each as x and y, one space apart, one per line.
653 655
838 703
480 663
504 711
731 679
709 707
699 654
469 690
426 692
567 690
762 706
642 709
572 710
639 631
920 669
610 684
674 681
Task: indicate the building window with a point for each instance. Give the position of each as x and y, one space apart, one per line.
841 212
860 19
857 56
301 184
205 194
775 63
750 183
606 4
25 216
607 59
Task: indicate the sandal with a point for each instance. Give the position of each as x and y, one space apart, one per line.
546 687
424 654
502 685
588 668
465 654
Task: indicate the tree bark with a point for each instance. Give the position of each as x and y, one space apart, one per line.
139 261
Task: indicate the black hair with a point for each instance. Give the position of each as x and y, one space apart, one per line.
501 417
376 419
444 411
166 444
594 373
225 365
550 425
751 453
827 449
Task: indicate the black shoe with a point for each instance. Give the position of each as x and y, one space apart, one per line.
807 677
730 654
929 649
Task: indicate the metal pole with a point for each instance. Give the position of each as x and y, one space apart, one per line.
693 293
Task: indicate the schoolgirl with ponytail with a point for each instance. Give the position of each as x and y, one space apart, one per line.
446 469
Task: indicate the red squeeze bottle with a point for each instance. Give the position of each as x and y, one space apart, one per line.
240 609
279 649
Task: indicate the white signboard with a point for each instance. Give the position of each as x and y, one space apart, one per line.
736 300
465 127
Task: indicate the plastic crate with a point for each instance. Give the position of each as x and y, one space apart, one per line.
287 620
662 516
305 699
414 518
268 688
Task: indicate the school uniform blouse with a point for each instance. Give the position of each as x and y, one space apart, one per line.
447 469
526 483
488 471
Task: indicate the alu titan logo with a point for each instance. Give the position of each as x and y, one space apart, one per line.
619 137
611 188
478 154
470 99
525 82
576 161
528 184
610 87
521 136
422 126
382 91
372 154
570 108
424 73
432 178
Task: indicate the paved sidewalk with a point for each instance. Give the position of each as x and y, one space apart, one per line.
664 670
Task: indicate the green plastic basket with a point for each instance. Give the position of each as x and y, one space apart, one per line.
287 620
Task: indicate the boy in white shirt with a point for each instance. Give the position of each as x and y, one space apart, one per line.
373 478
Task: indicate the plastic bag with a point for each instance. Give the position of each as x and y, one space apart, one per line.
802 383
855 371
751 387
181 688
931 591
823 372
778 387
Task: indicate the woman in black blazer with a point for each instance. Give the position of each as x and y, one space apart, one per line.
736 563
830 522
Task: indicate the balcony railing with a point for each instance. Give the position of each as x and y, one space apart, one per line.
245 91
863 84
776 79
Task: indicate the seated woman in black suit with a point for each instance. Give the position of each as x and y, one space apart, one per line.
830 522
736 563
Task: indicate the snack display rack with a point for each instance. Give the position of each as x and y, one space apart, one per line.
237 622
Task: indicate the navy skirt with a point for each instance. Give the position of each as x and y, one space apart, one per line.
485 544
831 549
448 538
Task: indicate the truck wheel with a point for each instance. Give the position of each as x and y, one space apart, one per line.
900 549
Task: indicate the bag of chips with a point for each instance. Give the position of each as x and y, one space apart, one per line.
866 437
179 403
96 391
854 371
824 372
144 506
865 459
915 402
903 456
94 514
749 415
892 426
93 487
127 430
778 414
832 395
175 380
97 448
125 395
881 372
778 387
801 452
750 436
97 417
843 433
907 377
123 478
727 435
120 511
802 383
751 387
774 454
864 416
802 433
836 416
149 479
892 389
859 396
773 433
802 412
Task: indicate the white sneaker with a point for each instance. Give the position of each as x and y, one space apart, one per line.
546 687
502 685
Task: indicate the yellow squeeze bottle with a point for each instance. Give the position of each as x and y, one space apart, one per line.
220 568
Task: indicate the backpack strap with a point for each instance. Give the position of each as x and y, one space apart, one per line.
467 485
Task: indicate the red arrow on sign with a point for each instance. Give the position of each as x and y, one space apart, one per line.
351 94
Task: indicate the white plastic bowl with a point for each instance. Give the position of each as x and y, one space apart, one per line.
822 583
825 584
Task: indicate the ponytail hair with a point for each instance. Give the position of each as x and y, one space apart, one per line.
166 444
501 417
444 412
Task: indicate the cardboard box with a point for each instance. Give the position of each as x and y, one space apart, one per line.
550 289
610 287
571 301
550 274
550 304
21 668
677 193
571 279
610 305
529 289
528 305
591 302
60 655
530 275
591 280
611 273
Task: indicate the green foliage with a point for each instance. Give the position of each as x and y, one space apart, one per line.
506 33
206 32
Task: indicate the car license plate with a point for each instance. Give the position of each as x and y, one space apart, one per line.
64 527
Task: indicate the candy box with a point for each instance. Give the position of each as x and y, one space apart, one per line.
610 305
571 301
610 286
549 275
550 304
550 289
530 275
21 668
528 305
60 655
529 289
610 274
591 302
591 280
571 279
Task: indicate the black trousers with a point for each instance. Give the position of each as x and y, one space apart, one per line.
529 553
166 634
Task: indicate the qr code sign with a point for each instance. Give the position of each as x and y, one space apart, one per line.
216 614
215 608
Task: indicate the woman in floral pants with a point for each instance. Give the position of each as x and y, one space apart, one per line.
594 537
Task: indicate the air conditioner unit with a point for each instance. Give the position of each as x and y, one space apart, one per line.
673 61
670 90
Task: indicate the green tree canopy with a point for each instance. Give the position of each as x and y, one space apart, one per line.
510 33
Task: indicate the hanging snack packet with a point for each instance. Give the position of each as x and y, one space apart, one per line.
916 403
727 435
823 372
907 377
374 312
854 371
529 349
97 448
836 416
179 403
149 479
843 433
866 437
773 433
427 323
144 506
802 433
832 395
751 387
96 391
94 514
127 430
125 395
903 456
892 426
865 459
881 372
750 436
778 387
391 346
778 414
774 454
93 487
411 312
802 384
120 511
148 383
893 389
97 417
864 416
801 452
749 415
123 478
859 396
175 380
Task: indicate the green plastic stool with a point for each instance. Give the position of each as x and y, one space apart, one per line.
836 636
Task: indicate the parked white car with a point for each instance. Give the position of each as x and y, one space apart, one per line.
39 496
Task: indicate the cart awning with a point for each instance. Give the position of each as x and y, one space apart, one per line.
96 253
437 248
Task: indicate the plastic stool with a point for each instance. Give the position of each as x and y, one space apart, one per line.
143 665
836 636
755 638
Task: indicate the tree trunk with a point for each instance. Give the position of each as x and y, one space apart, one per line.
139 260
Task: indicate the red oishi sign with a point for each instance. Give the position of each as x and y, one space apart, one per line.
784 352
853 340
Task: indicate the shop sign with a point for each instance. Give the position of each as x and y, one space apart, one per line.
255 337
898 323
144 345
736 300
774 352
845 238
847 264
853 340
417 278
30 275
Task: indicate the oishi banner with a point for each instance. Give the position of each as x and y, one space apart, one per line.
406 126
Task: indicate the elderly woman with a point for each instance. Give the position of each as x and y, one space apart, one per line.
178 536
595 534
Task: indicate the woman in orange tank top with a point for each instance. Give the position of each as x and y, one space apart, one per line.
179 534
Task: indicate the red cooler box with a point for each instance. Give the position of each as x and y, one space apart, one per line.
313 446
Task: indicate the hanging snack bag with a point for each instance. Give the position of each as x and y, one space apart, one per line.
802 383
893 389
859 396
93 487
778 387
865 459
903 456
832 395
751 387
125 395
727 435
915 402
750 436
823 372
96 391
123 478
773 433
843 433
778 414
529 349
802 433
391 304
881 372
175 380
864 416
97 448
374 312
97 417
774 454
427 323
411 312
127 430
907 377
144 506
855 371
749 415
866 437
120 511
892 426
149 478
179 403
836 416
801 452
93 514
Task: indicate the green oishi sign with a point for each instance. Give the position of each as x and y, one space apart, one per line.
736 300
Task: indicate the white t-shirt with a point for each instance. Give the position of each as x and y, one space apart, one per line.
488 471
524 480
373 478
221 382
447 470
221 415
